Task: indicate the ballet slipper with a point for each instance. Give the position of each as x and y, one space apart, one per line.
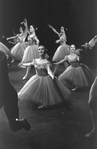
75 89
42 106
39 107
91 134
25 77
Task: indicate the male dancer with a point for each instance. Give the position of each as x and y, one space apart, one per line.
9 98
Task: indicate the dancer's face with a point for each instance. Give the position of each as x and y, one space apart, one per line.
31 29
72 48
62 30
41 51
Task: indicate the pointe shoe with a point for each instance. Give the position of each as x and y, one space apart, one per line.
25 77
91 134
12 61
40 107
75 89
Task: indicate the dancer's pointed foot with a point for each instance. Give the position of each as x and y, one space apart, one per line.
40 107
13 61
91 134
75 89
25 77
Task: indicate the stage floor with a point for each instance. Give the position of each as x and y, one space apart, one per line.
51 128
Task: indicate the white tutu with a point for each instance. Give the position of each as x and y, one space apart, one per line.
80 76
42 90
61 52
4 49
31 52
18 50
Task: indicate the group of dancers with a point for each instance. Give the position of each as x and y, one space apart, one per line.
45 88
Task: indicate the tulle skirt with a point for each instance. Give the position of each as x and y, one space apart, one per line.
4 49
43 90
18 50
61 52
80 76
31 52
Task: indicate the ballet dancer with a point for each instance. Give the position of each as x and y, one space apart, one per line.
43 88
77 73
63 49
31 52
9 98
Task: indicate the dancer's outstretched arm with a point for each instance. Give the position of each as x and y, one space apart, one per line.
50 72
12 37
28 64
54 29
57 63
91 43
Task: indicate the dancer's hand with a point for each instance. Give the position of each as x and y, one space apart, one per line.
95 37
57 41
7 38
26 64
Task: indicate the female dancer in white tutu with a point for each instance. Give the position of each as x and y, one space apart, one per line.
63 49
78 74
31 52
43 88
18 50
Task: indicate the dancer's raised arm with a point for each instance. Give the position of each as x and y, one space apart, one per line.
91 43
26 26
54 29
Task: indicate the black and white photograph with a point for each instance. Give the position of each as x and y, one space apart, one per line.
48 74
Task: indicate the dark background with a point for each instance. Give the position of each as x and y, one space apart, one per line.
54 128
79 17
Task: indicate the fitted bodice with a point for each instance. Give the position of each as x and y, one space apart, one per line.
41 69
21 38
32 39
73 60
31 36
63 39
